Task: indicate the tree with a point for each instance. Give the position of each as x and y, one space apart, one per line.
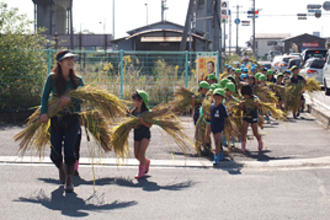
23 61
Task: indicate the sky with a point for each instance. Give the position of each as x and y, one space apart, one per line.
96 15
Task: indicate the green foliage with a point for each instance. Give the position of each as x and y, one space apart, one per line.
23 62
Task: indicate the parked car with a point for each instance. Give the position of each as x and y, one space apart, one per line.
326 75
280 63
313 68
266 64
317 53
297 61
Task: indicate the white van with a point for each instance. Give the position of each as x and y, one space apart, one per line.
326 75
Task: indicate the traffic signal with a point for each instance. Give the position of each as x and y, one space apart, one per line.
251 12
318 14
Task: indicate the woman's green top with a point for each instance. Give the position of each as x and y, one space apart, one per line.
50 89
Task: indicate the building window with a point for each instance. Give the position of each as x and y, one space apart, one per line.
271 43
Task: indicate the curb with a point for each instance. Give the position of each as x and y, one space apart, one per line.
321 113
202 164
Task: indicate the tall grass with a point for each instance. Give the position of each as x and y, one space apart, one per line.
160 84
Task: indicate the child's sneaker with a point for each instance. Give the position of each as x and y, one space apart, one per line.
147 166
221 155
216 160
141 172
243 147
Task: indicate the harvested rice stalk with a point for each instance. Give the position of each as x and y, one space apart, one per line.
200 133
183 101
265 94
275 112
292 97
312 85
36 134
96 125
92 98
161 116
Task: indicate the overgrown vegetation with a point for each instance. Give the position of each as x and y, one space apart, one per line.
23 63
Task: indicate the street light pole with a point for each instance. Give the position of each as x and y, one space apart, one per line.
230 31
113 19
146 4
237 27
254 28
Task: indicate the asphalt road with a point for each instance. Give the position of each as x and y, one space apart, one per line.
292 181
32 192
302 138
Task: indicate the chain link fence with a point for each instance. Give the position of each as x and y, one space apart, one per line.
159 73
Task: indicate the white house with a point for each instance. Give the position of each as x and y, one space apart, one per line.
265 43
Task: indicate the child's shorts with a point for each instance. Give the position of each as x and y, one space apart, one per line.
216 130
251 120
139 135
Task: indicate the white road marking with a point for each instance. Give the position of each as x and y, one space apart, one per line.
113 162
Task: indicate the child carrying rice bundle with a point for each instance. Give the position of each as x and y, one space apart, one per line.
141 120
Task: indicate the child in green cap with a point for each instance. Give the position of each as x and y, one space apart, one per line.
270 76
212 79
141 132
198 99
219 118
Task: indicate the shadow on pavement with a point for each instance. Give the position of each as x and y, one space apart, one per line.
72 205
231 166
143 183
263 157
150 186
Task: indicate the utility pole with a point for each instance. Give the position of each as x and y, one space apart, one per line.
146 4
71 25
164 8
217 38
237 27
224 35
187 25
254 28
230 31
113 19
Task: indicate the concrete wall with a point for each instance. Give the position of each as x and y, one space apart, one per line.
263 47
52 16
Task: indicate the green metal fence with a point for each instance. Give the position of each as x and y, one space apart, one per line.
23 73
159 73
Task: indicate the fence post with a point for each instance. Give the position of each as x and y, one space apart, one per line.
121 74
217 54
186 69
49 52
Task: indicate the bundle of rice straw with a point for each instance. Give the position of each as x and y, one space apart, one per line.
278 89
312 85
292 97
235 117
36 134
183 100
265 94
96 125
93 98
162 116
275 112
200 133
